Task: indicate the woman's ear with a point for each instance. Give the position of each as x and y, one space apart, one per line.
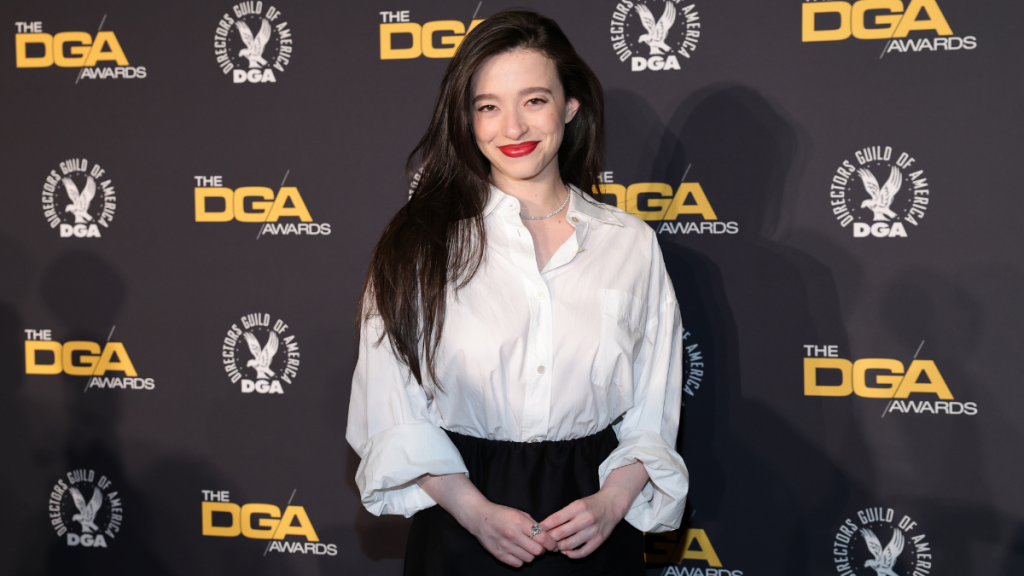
572 106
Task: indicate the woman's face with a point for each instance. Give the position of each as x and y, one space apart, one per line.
519 114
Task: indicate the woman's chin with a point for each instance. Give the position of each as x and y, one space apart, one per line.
520 171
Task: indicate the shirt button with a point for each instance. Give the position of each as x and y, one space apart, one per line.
581 249
540 369
540 295
575 219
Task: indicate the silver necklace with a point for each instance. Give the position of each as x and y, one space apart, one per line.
553 213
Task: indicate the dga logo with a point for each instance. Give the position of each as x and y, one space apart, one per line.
224 518
660 202
401 39
85 509
261 354
858 549
825 374
879 194
79 199
45 356
694 549
652 42
252 44
34 48
693 364
257 204
883 20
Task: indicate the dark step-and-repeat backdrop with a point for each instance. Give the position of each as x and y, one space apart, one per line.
191 191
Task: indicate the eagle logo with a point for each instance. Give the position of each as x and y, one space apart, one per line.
880 199
656 31
883 559
254 45
80 200
261 357
87 512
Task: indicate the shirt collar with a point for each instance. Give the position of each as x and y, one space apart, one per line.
581 204
578 203
495 198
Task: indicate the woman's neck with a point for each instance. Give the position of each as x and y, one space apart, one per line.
537 196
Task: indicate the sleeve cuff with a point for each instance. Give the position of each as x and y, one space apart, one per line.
659 507
395 458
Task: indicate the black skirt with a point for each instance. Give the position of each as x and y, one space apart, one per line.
538 478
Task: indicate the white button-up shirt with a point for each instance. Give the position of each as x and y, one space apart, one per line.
594 339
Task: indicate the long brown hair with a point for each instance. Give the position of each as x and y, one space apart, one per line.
436 242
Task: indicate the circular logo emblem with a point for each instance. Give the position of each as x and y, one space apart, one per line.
78 199
654 34
85 509
261 353
252 44
414 183
872 543
693 364
879 192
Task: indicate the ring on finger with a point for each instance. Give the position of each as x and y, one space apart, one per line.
535 530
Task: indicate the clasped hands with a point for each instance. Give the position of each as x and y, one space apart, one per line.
576 530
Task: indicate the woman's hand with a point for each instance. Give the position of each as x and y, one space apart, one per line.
504 532
589 521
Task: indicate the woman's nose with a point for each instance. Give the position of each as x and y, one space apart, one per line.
514 126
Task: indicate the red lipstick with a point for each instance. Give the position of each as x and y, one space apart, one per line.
517 150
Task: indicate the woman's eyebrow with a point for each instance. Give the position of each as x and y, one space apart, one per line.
523 92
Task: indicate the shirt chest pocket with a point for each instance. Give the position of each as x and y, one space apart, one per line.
623 319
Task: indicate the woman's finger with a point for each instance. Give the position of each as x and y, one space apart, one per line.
520 533
528 544
562 516
517 551
577 523
587 548
545 540
509 559
506 534
578 539
566 530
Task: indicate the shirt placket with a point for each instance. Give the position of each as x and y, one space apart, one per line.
539 344
537 405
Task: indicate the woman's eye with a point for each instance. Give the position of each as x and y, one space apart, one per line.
536 101
486 108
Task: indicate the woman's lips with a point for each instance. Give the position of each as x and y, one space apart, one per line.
517 150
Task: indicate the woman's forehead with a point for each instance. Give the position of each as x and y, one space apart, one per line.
508 73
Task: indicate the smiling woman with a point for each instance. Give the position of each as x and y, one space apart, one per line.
519 130
519 377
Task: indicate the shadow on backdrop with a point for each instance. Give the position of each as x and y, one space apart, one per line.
751 439
85 293
19 451
925 311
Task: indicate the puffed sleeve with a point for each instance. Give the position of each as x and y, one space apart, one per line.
391 428
647 431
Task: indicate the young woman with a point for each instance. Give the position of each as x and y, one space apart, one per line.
520 354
